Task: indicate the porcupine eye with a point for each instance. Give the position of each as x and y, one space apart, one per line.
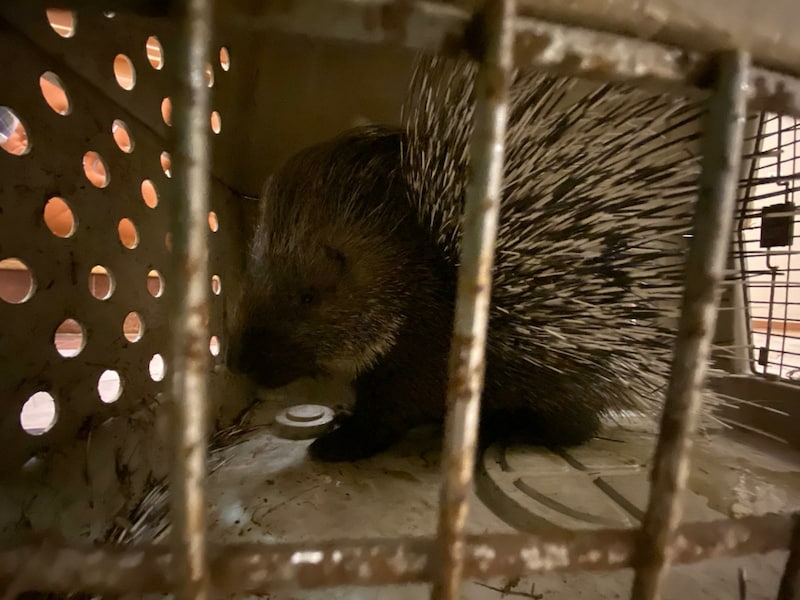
307 298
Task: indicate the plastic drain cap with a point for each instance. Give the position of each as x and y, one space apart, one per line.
304 421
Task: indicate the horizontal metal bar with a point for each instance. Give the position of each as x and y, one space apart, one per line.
767 33
444 28
699 25
774 92
258 568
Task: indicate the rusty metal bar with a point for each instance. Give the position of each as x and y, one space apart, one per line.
560 44
790 582
563 49
261 568
467 352
190 303
774 92
701 25
713 224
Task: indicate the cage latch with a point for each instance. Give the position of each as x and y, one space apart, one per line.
777 225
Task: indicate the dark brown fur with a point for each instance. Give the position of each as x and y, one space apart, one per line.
343 280
341 271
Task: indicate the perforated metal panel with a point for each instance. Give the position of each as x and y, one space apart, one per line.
99 253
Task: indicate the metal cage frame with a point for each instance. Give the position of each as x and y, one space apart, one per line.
771 215
192 568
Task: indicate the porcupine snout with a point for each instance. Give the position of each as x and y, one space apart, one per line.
266 356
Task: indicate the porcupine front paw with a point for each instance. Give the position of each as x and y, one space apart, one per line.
350 441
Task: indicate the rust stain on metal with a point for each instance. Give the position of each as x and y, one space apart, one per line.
491 39
781 95
531 46
558 48
462 373
261 568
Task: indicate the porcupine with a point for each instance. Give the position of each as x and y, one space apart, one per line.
353 265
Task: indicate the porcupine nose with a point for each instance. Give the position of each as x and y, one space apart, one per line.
265 356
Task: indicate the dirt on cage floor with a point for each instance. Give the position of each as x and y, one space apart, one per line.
267 490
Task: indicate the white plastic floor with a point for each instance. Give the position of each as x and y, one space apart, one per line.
269 490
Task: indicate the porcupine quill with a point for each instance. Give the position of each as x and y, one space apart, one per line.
353 266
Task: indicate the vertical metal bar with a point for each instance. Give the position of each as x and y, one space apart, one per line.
743 325
713 220
788 287
190 303
790 582
467 354
773 282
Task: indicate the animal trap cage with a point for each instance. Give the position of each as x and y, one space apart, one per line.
120 249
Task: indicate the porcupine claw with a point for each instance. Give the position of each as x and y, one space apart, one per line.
341 412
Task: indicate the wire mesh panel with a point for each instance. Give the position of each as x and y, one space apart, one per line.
767 247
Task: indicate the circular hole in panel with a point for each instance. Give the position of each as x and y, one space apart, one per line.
133 327
213 221
95 169
166 111
209 73
14 135
128 234
224 58
62 21
109 14
166 163
59 218
168 241
216 122
155 53
124 72
155 283
213 345
216 285
54 93
18 284
149 193
157 367
38 414
69 338
101 282
109 386
122 135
